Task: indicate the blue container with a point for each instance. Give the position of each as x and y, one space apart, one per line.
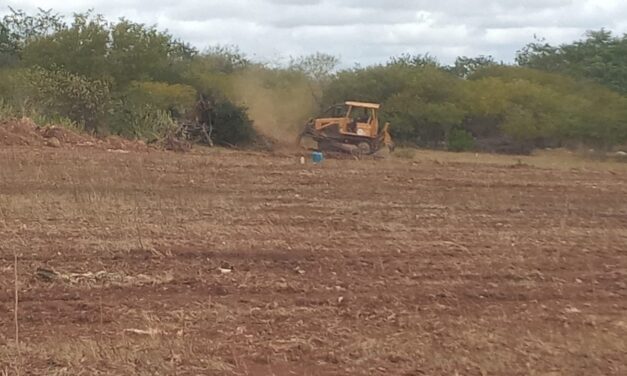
317 157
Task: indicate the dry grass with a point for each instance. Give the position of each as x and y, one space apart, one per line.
129 354
437 264
552 159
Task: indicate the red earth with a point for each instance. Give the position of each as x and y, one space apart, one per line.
236 263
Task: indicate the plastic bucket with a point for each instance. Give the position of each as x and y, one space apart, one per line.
317 157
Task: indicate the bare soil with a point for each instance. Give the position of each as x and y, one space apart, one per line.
236 263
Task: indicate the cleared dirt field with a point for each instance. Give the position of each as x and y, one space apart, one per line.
440 265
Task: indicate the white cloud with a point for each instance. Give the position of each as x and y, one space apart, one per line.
362 31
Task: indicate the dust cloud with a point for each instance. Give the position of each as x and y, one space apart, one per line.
279 111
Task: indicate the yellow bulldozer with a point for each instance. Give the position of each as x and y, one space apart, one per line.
351 127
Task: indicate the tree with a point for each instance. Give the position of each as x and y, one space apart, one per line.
464 66
416 61
142 53
599 57
81 48
318 68
17 29
225 59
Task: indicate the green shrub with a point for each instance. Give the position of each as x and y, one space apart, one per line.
177 99
143 122
232 126
62 94
460 140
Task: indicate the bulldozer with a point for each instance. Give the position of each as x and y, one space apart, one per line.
351 127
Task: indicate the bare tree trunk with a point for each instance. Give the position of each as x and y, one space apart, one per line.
207 134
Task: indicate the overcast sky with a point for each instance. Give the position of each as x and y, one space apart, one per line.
361 31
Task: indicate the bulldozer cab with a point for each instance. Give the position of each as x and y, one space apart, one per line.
362 119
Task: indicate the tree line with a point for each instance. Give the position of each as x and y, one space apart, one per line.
137 81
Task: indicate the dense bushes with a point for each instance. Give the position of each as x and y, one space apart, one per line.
133 80
600 57
429 105
460 140
60 93
122 78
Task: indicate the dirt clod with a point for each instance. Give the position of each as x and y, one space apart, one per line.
53 142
